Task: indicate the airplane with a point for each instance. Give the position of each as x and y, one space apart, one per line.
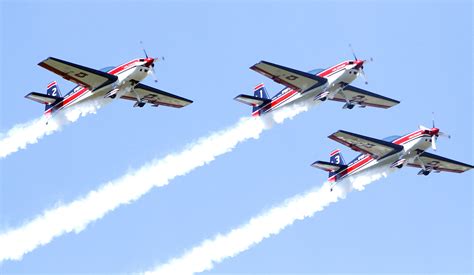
110 82
393 151
319 84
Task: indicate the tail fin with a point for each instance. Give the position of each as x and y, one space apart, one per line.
52 90
336 158
260 92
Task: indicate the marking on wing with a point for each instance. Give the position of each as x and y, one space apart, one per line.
81 74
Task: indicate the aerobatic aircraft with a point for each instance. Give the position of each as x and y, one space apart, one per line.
393 151
110 82
319 84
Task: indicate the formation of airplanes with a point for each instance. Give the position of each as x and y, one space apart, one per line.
332 84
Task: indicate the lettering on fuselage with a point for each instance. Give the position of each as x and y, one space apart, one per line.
338 67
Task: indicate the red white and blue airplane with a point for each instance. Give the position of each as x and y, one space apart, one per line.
393 151
319 84
110 82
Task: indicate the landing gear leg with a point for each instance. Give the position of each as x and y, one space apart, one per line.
140 103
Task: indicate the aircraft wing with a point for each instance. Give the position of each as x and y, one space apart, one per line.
42 98
91 78
364 98
156 97
251 100
377 148
439 163
289 77
327 166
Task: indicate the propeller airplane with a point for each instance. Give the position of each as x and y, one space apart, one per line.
393 151
319 84
110 82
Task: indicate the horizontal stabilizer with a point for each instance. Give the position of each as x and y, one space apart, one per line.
327 166
251 100
42 98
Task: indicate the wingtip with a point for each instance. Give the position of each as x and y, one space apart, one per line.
48 58
259 62
338 131
254 67
27 95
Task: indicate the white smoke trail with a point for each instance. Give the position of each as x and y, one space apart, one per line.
204 256
30 132
76 215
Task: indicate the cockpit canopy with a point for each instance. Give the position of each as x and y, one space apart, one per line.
392 138
106 69
315 71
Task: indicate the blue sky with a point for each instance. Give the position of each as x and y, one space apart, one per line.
405 223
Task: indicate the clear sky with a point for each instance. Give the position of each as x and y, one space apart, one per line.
422 54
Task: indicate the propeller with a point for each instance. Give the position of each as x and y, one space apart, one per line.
433 142
152 72
143 48
363 75
362 67
442 134
152 69
434 132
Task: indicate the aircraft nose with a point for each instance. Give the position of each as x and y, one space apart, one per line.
149 62
359 64
434 131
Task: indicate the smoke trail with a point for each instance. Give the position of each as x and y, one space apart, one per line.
29 133
76 215
212 251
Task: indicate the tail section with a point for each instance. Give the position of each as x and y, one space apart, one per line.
335 157
51 98
260 92
335 165
52 90
259 98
